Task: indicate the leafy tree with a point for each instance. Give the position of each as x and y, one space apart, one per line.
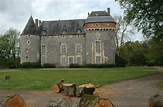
134 53
9 48
147 15
155 52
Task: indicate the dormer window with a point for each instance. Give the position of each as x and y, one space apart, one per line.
44 32
64 31
79 31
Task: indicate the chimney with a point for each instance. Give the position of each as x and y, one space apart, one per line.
36 23
108 10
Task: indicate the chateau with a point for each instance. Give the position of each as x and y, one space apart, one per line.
63 42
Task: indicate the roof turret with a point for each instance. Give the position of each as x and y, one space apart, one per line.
30 27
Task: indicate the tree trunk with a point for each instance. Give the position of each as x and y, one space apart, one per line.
69 89
7 77
62 102
13 101
94 101
156 101
85 89
57 88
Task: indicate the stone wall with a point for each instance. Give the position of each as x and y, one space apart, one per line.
107 40
29 48
53 48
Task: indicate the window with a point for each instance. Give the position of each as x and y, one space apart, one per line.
70 59
96 24
63 60
79 60
44 32
78 48
78 31
43 49
64 31
28 42
98 49
43 59
27 51
63 49
27 56
98 59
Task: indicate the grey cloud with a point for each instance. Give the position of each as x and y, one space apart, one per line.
15 13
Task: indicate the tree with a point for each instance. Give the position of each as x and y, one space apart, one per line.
123 31
147 15
9 48
134 53
155 52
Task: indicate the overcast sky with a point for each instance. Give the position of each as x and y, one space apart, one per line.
15 13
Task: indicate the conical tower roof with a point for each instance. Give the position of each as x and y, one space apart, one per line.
30 28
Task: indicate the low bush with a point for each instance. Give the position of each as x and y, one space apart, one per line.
119 61
75 66
49 65
31 65
99 65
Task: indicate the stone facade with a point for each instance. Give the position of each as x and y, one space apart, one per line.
62 42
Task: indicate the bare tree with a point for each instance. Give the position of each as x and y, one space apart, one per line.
123 31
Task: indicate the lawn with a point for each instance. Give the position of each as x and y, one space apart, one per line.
37 79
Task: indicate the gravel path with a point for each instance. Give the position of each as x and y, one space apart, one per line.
131 93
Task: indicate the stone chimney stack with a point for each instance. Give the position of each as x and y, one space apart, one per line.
36 23
108 10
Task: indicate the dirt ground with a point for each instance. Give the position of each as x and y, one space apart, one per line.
131 93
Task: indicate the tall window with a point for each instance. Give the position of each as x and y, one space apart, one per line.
63 60
43 59
43 49
78 48
63 49
79 60
70 59
98 59
98 47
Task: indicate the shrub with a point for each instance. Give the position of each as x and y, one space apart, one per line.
31 65
49 65
99 65
75 66
119 61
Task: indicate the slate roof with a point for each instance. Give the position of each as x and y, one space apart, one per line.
99 16
62 27
30 28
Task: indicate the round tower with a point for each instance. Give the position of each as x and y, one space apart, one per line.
30 43
100 37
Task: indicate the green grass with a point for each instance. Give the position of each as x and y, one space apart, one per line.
35 79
